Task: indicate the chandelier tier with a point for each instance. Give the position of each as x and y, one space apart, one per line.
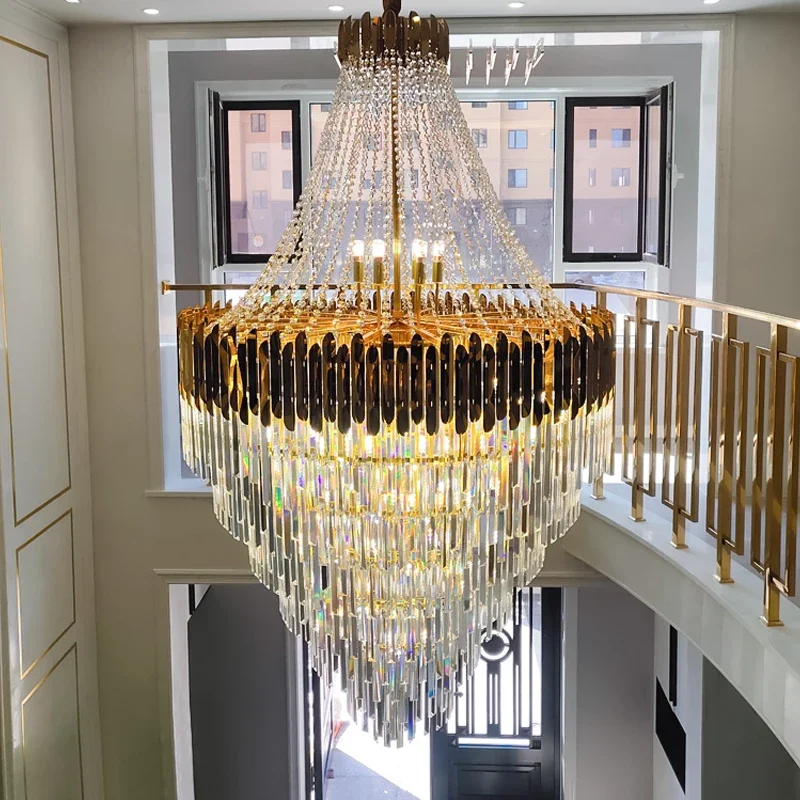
397 417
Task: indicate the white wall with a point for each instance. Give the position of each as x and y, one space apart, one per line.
48 679
689 710
763 240
609 695
135 534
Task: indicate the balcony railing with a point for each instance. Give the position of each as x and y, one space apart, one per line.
710 410
708 425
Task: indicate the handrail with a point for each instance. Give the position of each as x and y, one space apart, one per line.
667 399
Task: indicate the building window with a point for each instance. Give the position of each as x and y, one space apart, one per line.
552 178
518 140
244 168
621 177
518 178
412 179
480 137
518 215
607 220
258 123
620 137
552 138
518 105
325 107
479 105
375 182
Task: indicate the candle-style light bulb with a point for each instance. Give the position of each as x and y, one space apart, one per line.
358 249
378 249
419 249
358 261
438 261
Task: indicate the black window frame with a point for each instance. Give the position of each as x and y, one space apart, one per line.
224 253
665 95
569 256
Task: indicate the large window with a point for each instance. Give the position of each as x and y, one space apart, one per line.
615 179
255 169
519 160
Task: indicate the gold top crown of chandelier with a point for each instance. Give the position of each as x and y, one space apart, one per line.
397 417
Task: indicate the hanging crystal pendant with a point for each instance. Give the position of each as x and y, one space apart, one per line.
397 417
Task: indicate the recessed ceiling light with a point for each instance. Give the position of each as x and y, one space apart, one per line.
73 1
335 8
151 11
516 5
711 2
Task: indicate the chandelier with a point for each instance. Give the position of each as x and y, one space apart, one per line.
397 417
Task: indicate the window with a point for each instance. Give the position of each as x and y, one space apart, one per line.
552 178
621 177
376 181
518 105
247 172
480 136
617 195
620 137
527 196
412 179
621 279
552 138
518 215
517 178
518 140
658 174
479 105
325 107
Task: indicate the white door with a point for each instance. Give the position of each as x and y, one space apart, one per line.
50 732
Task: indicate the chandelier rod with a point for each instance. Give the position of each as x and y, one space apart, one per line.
397 309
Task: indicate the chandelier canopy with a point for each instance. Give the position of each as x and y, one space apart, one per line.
397 417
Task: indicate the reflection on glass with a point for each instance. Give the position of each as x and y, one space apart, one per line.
606 179
261 199
619 304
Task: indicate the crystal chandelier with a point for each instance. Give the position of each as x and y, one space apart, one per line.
397 417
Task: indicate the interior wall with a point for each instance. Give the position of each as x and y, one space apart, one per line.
763 237
609 671
688 709
742 759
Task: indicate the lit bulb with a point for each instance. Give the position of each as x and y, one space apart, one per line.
378 248
419 248
438 249
358 249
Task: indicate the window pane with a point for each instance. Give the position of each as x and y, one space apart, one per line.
624 279
261 199
519 160
652 218
605 180
480 137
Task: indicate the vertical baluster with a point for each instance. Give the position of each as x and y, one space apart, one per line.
682 426
598 490
776 446
728 413
639 419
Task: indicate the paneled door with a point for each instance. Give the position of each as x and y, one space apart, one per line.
502 741
50 727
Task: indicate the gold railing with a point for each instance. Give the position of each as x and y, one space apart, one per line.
687 419
713 436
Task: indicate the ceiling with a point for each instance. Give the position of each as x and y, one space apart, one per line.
92 11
